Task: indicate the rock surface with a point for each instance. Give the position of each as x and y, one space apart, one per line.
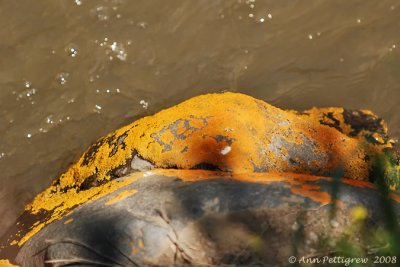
198 218
260 162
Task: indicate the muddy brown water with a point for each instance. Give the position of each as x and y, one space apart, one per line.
71 71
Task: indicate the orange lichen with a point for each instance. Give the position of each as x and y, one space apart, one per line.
261 138
329 116
60 204
297 182
120 196
362 124
6 263
395 197
167 137
313 192
137 247
197 175
199 126
33 230
69 221
230 132
140 243
362 184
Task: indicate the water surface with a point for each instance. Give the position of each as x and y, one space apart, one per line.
71 71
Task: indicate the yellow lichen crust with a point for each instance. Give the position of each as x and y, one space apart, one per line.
6 263
58 204
229 132
68 221
363 124
120 196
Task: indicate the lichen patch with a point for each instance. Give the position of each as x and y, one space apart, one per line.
229 132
